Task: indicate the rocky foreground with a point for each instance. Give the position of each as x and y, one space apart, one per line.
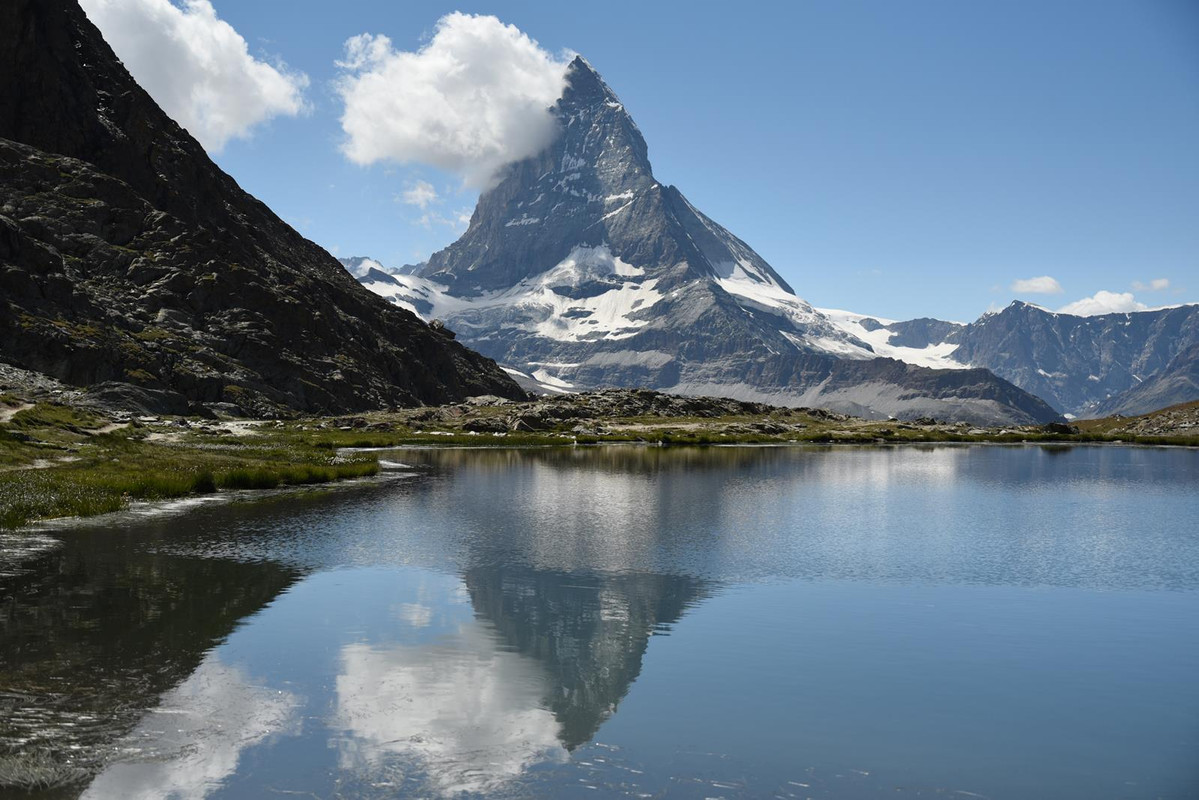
1178 420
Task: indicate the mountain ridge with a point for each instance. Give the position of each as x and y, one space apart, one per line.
128 257
1081 365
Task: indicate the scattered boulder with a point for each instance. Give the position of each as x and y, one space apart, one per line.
487 400
437 326
532 420
486 425
140 400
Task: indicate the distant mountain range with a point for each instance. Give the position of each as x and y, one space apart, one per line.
1083 366
130 263
580 269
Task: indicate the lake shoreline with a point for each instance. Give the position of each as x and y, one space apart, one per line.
184 504
60 461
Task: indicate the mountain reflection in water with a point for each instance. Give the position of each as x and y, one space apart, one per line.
479 625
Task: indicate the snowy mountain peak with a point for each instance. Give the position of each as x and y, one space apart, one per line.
594 186
584 84
580 269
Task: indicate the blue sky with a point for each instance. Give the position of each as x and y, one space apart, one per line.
898 159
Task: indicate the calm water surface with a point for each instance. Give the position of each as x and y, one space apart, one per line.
607 622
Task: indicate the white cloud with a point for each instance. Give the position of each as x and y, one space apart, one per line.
417 615
474 98
1103 302
197 67
468 713
194 740
1041 285
1155 285
420 193
456 220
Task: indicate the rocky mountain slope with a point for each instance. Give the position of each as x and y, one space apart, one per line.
582 270
1177 382
1080 365
1180 422
128 257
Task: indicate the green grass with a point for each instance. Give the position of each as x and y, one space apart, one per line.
49 415
27 495
98 487
83 474
297 475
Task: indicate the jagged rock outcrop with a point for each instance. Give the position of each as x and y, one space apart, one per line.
582 270
126 255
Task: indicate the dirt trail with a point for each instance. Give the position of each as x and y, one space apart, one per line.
109 428
8 412
41 463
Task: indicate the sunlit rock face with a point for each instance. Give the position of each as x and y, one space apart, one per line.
1085 366
1177 382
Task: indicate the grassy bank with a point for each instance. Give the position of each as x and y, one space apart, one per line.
53 463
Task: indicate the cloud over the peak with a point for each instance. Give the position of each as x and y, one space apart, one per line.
1155 285
474 98
1042 285
197 67
1104 302
419 193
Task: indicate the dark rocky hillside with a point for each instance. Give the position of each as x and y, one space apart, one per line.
127 256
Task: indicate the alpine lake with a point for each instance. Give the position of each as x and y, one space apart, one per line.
921 621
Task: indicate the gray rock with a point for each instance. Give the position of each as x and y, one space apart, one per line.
487 425
487 400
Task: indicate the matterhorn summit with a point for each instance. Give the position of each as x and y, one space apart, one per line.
582 270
